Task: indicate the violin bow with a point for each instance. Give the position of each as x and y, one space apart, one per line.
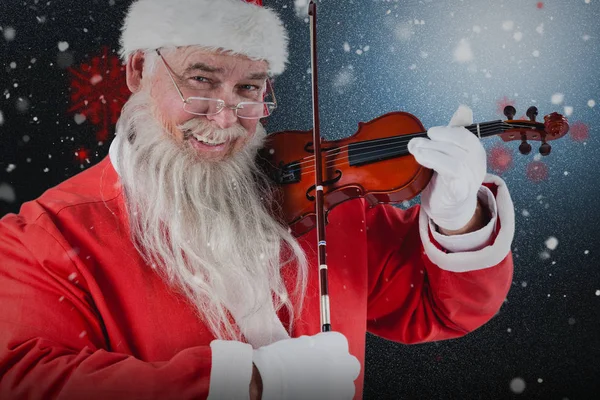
322 243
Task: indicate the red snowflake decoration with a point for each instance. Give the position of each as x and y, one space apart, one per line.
99 91
503 102
540 5
537 171
500 158
579 132
82 154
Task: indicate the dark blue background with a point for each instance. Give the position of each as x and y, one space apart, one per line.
547 334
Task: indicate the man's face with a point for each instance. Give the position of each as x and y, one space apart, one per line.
201 73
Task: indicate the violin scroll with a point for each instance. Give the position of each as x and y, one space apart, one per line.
554 127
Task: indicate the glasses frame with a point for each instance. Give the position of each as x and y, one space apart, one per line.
221 103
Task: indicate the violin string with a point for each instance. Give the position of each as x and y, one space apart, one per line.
401 139
334 151
400 145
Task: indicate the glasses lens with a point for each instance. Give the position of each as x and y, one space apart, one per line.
255 110
202 106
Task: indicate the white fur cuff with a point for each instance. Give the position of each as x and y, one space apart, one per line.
486 257
231 370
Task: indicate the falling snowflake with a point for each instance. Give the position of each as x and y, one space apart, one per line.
463 52
551 243
500 158
99 91
537 171
7 193
557 98
517 385
579 132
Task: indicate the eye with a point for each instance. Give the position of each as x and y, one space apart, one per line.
200 79
249 88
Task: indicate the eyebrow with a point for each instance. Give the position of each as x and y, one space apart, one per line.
202 67
207 68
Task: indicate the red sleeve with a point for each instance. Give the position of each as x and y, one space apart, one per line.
52 344
412 300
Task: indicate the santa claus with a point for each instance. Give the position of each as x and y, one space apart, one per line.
161 272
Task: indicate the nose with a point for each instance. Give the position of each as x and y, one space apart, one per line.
224 119
227 117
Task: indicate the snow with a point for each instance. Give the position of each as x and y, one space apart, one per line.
551 243
557 98
590 103
518 36
568 111
63 46
540 29
517 385
301 7
508 25
9 33
79 118
7 193
463 52
343 79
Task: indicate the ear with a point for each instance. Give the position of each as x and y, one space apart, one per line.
135 67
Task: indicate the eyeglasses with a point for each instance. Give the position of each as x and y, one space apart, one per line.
210 106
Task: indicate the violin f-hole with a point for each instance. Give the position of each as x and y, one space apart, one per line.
325 183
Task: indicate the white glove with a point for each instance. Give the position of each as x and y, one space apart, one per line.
459 161
308 367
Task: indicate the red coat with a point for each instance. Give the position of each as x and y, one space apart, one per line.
82 316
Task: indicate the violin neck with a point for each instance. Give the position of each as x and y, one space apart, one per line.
369 151
487 129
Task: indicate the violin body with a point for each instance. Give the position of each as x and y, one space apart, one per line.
287 158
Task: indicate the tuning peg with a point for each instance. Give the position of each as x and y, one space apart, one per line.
545 148
510 112
532 112
525 148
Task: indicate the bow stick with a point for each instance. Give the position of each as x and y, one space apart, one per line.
322 261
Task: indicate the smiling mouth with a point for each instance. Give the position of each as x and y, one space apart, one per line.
188 135
208 142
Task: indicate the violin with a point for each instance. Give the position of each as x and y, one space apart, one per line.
312 176
374 163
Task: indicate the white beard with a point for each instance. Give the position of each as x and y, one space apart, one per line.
205 226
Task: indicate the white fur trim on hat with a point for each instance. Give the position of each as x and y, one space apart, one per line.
231 25
488 256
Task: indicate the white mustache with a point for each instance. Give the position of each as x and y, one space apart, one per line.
204 129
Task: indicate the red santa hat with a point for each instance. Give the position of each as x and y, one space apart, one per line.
237 26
